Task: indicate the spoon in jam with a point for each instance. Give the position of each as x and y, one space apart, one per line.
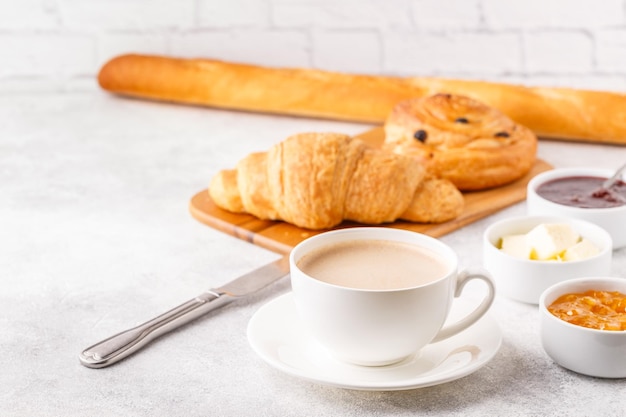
609 182
605 188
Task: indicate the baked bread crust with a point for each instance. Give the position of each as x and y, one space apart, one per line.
556 113
293 91
317 180
460 139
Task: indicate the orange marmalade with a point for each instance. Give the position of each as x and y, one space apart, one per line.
602 310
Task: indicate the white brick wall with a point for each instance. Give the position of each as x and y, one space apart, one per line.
59 45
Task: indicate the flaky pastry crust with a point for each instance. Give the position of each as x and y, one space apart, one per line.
460 139
317 180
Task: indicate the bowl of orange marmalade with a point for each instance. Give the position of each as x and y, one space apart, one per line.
583 325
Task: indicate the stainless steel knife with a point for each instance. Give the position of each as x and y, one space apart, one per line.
121 345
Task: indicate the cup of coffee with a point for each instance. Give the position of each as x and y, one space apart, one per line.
374 296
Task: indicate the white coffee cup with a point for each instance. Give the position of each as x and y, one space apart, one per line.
375 327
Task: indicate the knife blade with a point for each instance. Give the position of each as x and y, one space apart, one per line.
123 344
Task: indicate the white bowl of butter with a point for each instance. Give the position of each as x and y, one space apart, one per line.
528 254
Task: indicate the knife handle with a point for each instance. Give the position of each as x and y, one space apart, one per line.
121 345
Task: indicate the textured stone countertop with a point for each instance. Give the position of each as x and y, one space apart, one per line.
96 237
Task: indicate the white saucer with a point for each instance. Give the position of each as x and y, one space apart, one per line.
276 335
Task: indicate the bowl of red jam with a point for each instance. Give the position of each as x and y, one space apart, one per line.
579 193
583 325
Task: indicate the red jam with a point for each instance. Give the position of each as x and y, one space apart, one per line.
583 192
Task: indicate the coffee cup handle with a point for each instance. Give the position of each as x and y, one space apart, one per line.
463 278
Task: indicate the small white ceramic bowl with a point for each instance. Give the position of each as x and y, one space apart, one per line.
598 353
612 219
525 279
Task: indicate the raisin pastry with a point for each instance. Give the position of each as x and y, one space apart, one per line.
317 180
460 139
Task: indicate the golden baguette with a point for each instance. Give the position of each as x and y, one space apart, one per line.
556 113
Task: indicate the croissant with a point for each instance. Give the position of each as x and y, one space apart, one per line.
463 140
317 180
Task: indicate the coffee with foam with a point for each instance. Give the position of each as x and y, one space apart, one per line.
374 264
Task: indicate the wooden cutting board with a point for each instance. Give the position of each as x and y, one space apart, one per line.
281 237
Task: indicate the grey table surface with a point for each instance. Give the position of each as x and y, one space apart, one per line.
95 237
